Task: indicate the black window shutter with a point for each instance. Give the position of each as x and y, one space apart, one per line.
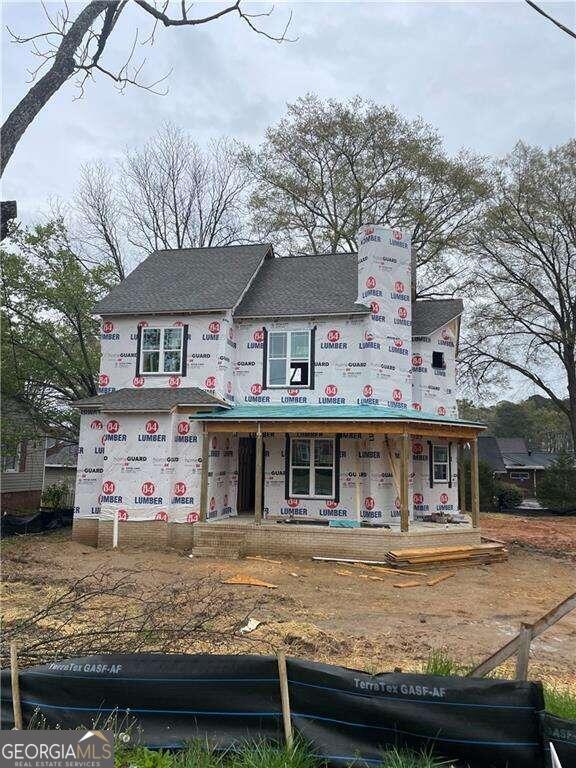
431 463
312 357
337 468
184 350
265 360
449 465
287 466
138 347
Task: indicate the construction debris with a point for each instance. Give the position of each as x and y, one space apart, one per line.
249 581
438 579
263 559
406 584
250 626
478 554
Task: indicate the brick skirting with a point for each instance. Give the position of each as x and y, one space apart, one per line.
146 534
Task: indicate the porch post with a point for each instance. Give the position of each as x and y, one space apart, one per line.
475 483
461 477
259 479
204 477
404 482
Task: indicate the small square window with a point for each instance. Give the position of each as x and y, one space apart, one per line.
162 350
289 358
438 360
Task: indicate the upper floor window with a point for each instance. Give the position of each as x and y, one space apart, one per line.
438 360
161 350
289 358
440 463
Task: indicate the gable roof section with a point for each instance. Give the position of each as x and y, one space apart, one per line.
156 399
304 286
489 451
186 280
430 314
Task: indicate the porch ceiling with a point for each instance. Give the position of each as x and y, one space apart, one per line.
337 418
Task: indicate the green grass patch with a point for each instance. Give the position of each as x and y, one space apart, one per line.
439 663
560 701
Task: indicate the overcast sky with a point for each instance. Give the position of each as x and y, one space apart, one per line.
485 74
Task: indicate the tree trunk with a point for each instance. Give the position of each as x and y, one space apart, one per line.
42 91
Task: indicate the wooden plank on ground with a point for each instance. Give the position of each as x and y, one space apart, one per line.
249 581
441 577
407 584
262 559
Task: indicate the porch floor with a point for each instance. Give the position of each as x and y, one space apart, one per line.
238 536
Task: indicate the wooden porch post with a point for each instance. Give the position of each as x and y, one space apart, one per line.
204 478
475 483
259 479
404 482
461 478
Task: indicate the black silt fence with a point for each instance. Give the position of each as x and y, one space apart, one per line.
346 716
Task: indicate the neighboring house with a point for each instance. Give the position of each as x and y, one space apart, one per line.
513 462
306 389
22 476
60 466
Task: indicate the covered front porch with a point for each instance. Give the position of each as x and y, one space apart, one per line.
380 499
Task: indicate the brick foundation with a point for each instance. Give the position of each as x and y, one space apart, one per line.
21 501
146 534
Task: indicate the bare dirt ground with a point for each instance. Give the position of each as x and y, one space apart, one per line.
352 620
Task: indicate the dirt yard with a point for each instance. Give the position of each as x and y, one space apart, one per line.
350 619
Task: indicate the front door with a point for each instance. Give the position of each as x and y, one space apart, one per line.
246 475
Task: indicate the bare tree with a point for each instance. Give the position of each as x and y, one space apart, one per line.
329 167
525 316
167 194
76 46
551 18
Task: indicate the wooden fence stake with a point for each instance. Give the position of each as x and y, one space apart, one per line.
285 696
16 705
523 656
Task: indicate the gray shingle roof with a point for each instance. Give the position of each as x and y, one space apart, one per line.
304 285
156 399
185 280
489 451
430 314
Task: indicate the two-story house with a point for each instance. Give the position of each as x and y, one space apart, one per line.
239 390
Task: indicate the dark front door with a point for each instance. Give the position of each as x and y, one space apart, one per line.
246 475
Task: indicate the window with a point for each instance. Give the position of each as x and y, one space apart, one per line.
161 350
519 476
289 359
11 458
438 360
312 472
440 463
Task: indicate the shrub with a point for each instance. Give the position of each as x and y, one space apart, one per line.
557 487
485 482
507 495
54 495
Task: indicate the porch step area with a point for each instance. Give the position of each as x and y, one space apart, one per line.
212 541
